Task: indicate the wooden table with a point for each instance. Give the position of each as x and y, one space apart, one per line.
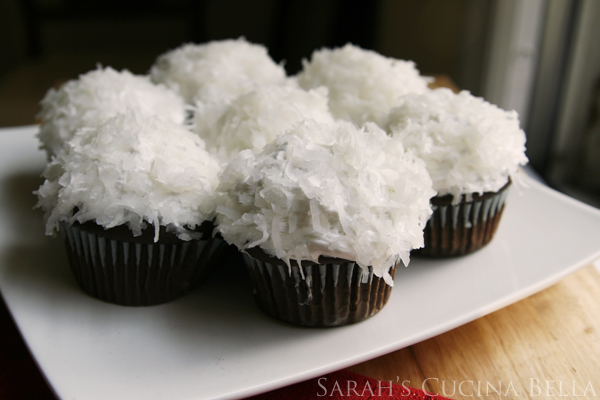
545 346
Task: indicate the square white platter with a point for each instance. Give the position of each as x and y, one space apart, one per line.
214 342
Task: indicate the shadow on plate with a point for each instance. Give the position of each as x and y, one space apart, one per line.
30 260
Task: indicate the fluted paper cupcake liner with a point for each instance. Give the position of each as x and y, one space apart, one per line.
465 227
138 274
321 295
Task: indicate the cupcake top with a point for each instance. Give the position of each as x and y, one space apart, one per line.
216 71
327 190
97 96
468 144
257 117
133 171
363 85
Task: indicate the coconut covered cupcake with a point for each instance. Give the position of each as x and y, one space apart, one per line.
97 96
363 85
256 118
217 71
323 215
135 199
473 151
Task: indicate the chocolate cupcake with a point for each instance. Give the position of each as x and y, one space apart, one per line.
324 214
456 229
135 199
473 151
100 94
216 71
332 292
117 267
363 84
257 117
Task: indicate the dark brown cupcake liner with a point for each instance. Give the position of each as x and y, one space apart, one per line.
321 295
458 229
135 271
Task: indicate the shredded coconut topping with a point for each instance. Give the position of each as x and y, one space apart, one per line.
363 85
257 117
335 191
97 96
216 71
468 144
131 170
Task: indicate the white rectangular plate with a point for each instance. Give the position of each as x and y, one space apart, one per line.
214 342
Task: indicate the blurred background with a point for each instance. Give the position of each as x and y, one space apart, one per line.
539 57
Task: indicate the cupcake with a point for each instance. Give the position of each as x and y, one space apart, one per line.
472 150
323 215
97 96
363 85
257 117
217 71
135 201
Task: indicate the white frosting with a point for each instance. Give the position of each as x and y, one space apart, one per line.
468 144
216 71
131 170
363 85
257 117
327 190
97 96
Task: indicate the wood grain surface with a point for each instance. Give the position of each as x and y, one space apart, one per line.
545 346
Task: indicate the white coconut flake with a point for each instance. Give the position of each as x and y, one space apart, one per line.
97 96
363 85
468 144
256 118
131 170
346 201
217 71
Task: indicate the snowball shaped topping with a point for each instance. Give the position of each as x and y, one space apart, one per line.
334 191
134 171
216 71
363 85
97 96
257 117
468 144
